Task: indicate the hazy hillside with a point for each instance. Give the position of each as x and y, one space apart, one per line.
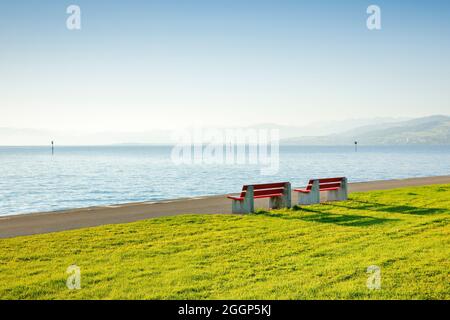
375 131
433 130
326 127
24 136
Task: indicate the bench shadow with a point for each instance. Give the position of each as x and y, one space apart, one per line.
321 217
379 207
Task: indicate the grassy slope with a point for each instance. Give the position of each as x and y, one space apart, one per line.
320 251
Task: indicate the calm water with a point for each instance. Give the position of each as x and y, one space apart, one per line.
31 180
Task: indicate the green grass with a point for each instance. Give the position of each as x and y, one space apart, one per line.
316 252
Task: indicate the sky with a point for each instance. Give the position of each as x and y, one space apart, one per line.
144 65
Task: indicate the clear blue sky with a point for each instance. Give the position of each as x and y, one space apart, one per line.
138 65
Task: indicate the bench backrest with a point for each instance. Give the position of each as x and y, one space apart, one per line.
265 188
326 183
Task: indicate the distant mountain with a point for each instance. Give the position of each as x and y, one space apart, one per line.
29 137
325 128
375 131
433 130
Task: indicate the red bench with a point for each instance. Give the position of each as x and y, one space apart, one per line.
336 188
279 194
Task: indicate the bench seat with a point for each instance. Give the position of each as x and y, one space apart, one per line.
257 197
308 191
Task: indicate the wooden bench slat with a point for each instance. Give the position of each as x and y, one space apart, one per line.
268 192
265 186
329 185
323 186
328 180
329 189
269 195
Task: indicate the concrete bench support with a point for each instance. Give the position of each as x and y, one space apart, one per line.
313 197
246 205
284 201
339 195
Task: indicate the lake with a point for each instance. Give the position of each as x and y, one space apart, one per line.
32 180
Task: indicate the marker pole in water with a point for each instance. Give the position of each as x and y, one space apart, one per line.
356 146
53 148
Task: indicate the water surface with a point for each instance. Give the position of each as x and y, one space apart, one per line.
32 180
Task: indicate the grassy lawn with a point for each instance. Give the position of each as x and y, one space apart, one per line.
316 252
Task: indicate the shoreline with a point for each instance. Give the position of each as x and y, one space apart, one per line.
61 220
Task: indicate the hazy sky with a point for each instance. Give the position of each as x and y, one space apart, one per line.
141 65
